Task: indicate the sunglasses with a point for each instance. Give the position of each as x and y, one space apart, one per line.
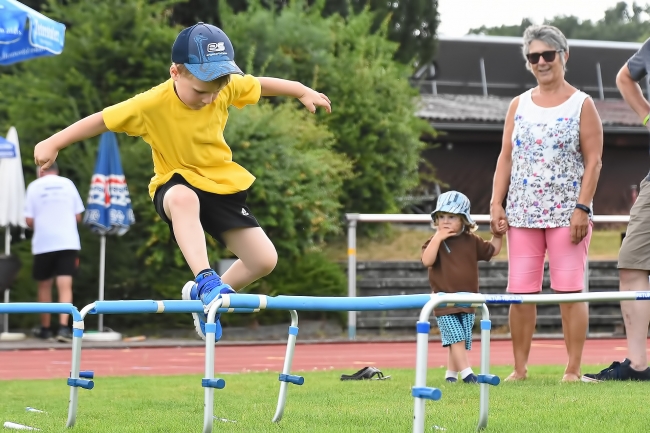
549 56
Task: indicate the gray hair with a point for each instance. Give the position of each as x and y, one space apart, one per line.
550 35
54 168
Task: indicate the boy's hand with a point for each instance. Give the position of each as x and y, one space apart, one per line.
312 99
444 232
45 154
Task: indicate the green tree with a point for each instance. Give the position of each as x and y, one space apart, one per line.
503 30
411 23
373 118
115 49
622 22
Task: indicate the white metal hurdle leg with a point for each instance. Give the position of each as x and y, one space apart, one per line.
286 377
78 379
420 391
209 382
485 378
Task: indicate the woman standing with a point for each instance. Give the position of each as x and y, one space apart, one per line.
549 166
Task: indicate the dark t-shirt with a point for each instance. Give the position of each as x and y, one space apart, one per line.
639 63
457 270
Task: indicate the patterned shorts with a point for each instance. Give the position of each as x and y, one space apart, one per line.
455 328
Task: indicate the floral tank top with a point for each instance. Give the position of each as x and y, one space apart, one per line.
547 165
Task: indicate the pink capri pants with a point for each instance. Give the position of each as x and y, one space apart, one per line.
527 249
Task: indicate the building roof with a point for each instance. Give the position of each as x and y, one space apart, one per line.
516 40
494 65
488 112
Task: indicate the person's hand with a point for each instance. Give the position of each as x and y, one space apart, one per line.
579 225
312 99
45 154
502 228
444 233
498 220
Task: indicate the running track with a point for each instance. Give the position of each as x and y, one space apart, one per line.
55 363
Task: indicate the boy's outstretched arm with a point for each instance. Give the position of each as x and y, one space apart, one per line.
308 96
46 151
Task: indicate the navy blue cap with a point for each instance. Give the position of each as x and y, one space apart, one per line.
206 52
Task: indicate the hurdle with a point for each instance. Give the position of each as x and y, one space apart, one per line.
307 303
241 303
147 306
420 391
75 381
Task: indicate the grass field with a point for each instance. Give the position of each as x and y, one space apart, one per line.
406 243
325 404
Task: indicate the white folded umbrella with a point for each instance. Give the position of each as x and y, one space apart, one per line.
12 184
12 213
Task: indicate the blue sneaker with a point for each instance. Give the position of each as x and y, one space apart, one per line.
208 287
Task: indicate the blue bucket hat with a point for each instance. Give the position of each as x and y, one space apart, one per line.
454 202
205 51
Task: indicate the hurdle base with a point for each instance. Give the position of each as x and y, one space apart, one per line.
102 336
12 336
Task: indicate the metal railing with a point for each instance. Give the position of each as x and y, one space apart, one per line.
355 218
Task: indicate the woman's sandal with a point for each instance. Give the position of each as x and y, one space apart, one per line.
366 373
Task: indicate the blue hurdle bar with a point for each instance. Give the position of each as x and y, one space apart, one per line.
40 308
243 303
476 300
316 303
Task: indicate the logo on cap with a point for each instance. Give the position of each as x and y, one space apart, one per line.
216 47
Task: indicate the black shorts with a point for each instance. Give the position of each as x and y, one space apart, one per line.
219 213
54 264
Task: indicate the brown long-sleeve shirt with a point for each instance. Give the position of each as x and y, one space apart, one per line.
457 270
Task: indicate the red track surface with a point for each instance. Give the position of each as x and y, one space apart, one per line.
44 364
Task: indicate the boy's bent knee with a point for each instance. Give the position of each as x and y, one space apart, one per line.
180 197
268 263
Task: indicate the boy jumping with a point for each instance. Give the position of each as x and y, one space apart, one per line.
196 185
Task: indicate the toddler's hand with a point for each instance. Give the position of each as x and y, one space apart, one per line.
502 226
444 233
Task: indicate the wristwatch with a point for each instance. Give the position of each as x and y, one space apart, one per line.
584 208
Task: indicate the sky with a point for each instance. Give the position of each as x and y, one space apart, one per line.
457 17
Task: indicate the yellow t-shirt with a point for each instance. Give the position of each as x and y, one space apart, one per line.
185 141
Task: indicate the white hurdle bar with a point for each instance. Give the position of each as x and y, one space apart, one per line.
420 391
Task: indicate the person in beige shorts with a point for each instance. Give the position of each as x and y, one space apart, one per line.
634 256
